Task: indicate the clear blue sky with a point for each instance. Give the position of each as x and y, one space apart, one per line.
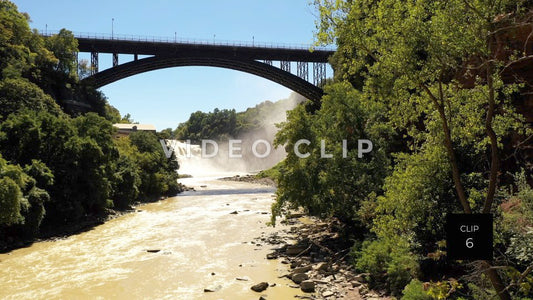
167 97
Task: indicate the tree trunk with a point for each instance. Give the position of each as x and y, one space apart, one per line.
456 174
496 281
495 159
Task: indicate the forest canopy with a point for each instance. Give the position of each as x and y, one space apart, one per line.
59 166
437 86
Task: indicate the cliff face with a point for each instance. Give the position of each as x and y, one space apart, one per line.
512 45
517 40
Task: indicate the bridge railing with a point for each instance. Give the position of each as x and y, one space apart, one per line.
193 41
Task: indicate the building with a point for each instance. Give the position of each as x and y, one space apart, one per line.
126 129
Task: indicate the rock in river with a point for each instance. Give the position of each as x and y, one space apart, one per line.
307 286
299 277
211 290
260 287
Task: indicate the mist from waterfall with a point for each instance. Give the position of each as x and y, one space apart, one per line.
192 163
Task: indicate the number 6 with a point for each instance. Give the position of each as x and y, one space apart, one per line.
469 243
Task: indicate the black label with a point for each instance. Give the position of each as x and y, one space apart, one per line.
469 236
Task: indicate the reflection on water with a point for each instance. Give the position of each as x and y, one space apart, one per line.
195 233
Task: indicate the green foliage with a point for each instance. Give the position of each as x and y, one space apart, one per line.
338 185
389 261
18 94
224 124
64 47
434 72
40 172
73 168
126 182
418 196
15 185
35 211
10 199
273 173
21 50
415 291
514 236
158 174
219 124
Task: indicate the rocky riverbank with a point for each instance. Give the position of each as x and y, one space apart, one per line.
250 179
320 265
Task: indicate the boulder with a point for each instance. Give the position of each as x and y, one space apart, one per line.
307 286
299 277
321 267
260 287
356 283
359 278
212 290
295 249
301 269
327 294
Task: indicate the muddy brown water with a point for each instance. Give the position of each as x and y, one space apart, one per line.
196 236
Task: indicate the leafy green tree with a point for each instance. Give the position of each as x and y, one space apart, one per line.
18 94
334 186
126 182
439 69
64 47
73 168
158 174
80 152
16 57
218 124
36 195
10 198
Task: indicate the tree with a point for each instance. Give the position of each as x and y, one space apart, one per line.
439 67
18 94
22 51
64 47
334 186
10 198
158 174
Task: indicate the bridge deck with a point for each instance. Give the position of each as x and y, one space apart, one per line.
120 46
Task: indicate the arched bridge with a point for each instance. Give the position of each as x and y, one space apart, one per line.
253 59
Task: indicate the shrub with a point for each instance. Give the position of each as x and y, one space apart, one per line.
389 261
415 291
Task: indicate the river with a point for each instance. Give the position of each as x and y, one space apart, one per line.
202 245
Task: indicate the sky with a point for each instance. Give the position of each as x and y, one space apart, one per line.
167 97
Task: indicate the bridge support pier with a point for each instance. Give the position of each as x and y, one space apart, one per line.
115 59
319 73
94 63
135 56
302 70
285 65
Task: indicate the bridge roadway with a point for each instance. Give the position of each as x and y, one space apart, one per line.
160 48
254 59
